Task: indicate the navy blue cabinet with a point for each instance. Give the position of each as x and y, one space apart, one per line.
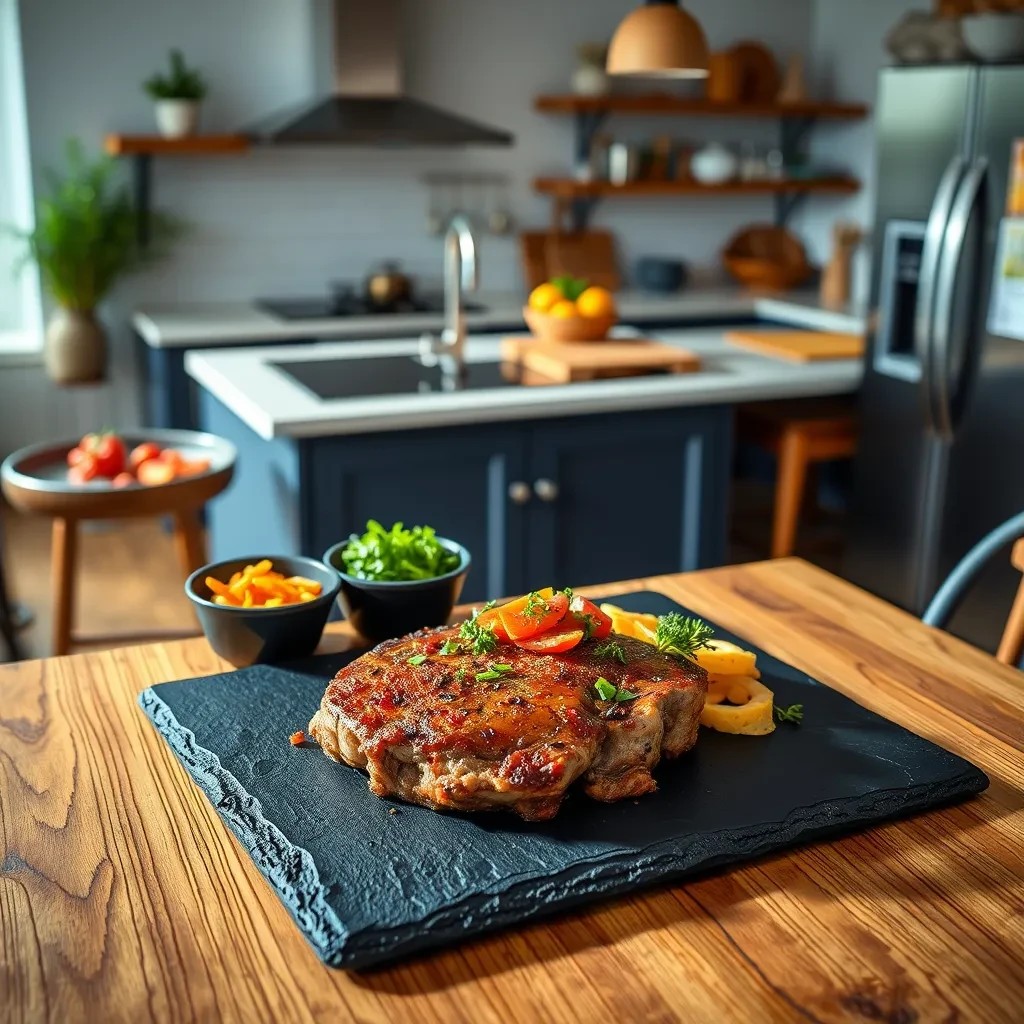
634 494
457 480
569 501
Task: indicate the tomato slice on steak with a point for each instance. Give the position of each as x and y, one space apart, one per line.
557 641
533 614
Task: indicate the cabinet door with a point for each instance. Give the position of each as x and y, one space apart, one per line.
628 495
456 480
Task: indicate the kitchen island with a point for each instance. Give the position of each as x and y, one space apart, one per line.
561 483
165 333
124 897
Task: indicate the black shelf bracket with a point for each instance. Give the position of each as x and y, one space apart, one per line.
786 204
142 182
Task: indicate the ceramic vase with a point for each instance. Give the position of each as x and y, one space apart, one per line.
177 118
75 351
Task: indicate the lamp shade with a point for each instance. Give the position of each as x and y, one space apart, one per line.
659 40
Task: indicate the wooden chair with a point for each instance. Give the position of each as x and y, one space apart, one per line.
31 486
954 590
799 434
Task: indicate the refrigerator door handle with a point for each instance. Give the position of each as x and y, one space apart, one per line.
931 254
951 265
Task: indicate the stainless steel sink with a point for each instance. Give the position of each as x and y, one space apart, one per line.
331 379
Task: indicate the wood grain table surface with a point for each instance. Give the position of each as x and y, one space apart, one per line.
124 898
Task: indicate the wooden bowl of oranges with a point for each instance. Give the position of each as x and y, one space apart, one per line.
568 309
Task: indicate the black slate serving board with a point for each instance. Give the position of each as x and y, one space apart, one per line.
367 886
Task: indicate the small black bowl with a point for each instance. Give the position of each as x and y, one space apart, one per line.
382 609
250 636
660 275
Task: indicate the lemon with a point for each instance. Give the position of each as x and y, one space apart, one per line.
563 309
596 302
544 296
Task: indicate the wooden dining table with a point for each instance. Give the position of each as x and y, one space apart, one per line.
123 897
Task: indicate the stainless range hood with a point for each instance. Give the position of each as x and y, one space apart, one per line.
358 63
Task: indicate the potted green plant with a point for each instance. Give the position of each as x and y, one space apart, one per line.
86 236
177 95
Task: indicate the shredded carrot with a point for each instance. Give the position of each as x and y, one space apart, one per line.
258 586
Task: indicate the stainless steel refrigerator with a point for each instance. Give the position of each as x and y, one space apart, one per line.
941 459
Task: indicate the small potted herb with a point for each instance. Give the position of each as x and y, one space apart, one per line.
394 581
85 238
177 94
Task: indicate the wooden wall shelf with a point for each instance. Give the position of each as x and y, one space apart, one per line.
662 103
192 145
567 188
142 148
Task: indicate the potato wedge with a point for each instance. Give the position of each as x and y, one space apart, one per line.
724 658
754 717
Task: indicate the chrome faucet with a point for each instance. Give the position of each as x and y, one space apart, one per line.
461 274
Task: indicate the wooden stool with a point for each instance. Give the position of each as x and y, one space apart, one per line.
1011 646
8 625
35 481
799 434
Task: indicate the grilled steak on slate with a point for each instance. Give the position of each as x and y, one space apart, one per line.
434 734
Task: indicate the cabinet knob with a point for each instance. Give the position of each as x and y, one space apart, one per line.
546 490
519 492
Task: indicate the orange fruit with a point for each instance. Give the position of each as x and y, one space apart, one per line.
563 309
544 296
596 302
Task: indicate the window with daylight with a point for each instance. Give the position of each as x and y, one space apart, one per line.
20 306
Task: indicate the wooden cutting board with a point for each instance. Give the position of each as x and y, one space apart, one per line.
546 362
799 346
587 254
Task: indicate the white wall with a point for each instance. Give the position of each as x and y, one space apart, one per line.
280 221
847 52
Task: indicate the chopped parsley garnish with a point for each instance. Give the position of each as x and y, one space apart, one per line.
417 659
535 605
794 714
587 622
609 691
460 675
487 675
611 649
568 593
681 635
481 638
397 554
451 647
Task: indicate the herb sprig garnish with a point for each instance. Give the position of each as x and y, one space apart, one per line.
481 639
609 691
794 714
611 649
535 605
681 635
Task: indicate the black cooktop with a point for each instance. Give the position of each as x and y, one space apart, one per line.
348 303
399 375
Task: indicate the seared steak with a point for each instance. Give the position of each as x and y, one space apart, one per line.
435 734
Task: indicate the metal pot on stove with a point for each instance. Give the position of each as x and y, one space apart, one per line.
387 286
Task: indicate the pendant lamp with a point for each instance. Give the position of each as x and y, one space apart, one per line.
659 40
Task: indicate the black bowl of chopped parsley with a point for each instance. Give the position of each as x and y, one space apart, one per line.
397 580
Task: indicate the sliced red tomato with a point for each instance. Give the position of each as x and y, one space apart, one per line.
143 453
492 620
557 641
108 450
536 613
83 470
587 616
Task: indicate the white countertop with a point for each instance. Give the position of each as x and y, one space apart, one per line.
274 405
215 325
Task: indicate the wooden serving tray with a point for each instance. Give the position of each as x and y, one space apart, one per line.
547 362
799 346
